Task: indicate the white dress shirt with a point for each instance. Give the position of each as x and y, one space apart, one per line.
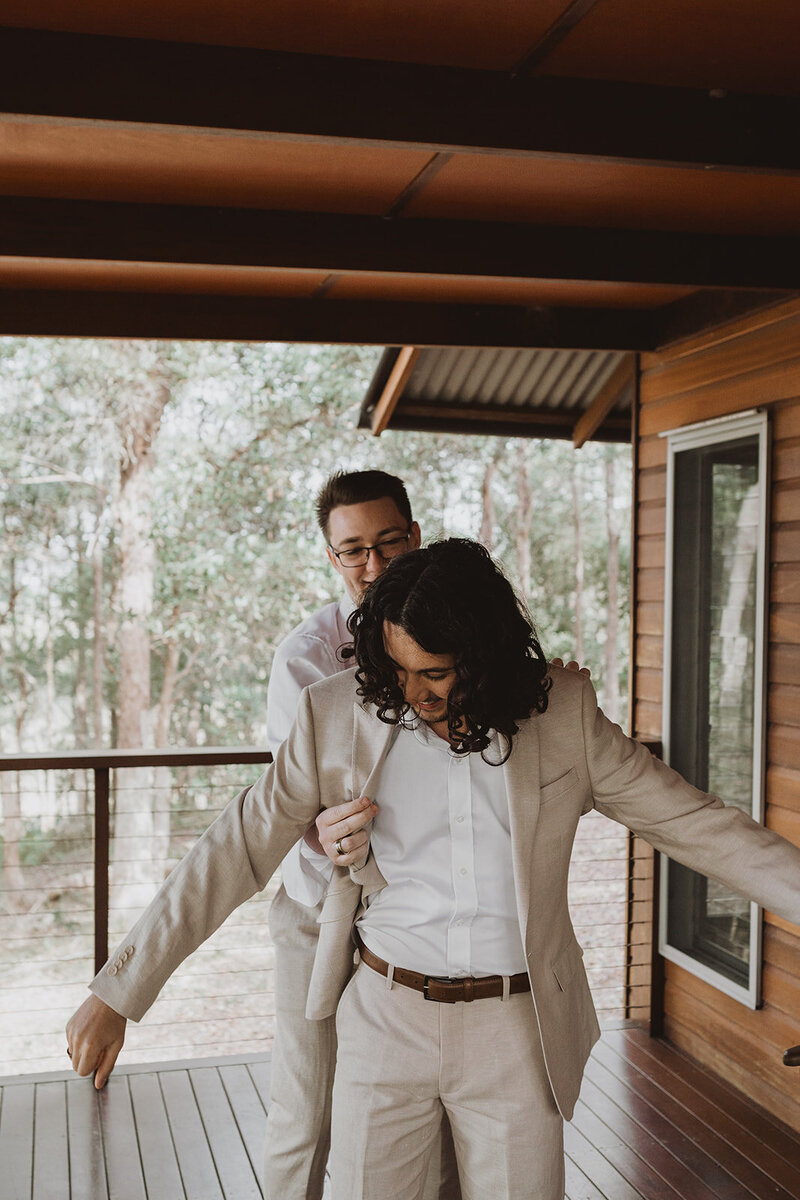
443 844
312 651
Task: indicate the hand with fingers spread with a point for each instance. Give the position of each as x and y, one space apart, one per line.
95 1035
343 832
571 666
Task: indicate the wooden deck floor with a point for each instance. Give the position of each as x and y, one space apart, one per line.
649 1126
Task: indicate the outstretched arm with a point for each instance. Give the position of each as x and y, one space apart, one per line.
234 859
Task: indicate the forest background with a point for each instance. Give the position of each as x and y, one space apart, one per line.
158 541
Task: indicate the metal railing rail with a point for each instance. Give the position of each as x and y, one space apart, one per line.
101 763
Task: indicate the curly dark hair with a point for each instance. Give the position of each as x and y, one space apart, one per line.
452 598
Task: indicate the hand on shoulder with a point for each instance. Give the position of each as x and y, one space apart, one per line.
572 665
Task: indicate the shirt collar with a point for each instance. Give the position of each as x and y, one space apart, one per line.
346 607
426 737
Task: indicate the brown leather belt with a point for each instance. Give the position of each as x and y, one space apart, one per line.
445 991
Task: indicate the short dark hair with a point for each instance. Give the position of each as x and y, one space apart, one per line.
452 598
356 487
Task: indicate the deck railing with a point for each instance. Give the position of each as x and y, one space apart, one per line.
100 764
87 838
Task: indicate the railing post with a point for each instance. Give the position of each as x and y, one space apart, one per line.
101 838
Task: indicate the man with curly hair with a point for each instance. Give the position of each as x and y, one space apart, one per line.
469 996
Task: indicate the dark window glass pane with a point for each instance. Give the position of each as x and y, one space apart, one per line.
713 661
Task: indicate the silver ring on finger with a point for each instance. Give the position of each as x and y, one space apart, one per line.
337 845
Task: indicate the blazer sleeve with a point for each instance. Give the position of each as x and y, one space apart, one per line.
691 826
234 859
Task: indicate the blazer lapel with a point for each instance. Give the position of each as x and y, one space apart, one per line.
372 740
522 786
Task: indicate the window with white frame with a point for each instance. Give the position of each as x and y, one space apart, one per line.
714 631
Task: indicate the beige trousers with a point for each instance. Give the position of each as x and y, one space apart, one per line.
403 1061
301 1075
303 1061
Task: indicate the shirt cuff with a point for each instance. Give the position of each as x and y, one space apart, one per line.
306 874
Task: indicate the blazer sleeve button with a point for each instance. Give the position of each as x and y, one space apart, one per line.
112 970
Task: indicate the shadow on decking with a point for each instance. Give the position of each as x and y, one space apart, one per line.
650 1124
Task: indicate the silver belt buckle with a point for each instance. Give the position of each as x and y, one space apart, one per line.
437 979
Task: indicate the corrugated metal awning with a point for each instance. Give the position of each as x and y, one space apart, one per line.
575 394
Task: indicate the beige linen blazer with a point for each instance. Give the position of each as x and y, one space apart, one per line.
565 762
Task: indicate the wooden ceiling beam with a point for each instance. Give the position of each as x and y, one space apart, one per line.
244 318
331 242
55 75
589 422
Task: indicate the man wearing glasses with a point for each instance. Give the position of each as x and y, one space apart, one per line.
365 518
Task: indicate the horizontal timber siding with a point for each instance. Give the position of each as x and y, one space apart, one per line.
750 363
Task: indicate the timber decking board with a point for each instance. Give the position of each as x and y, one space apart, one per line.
86 1152
650 1125
735 1133
16 1141
247 1109
236 1173
682 1130
162 1176
198 1172
50 1153
123 1158
664 1148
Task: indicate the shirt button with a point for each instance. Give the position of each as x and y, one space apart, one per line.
459 819
463 871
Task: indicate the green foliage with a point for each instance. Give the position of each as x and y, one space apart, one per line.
247 437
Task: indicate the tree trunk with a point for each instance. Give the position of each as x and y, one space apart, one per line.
80 702
13 871
611 699
141 848
98 634
49 649
486 535
524 517
579 564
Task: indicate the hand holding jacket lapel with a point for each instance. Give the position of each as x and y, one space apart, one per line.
333 960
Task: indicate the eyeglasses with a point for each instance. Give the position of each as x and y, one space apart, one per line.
358 556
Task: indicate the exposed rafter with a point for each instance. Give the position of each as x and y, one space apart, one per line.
160 315
590 421
393 389
53 75
78 229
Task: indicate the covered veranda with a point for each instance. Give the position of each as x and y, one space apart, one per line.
595 177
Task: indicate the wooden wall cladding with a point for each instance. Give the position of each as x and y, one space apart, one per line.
750 363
